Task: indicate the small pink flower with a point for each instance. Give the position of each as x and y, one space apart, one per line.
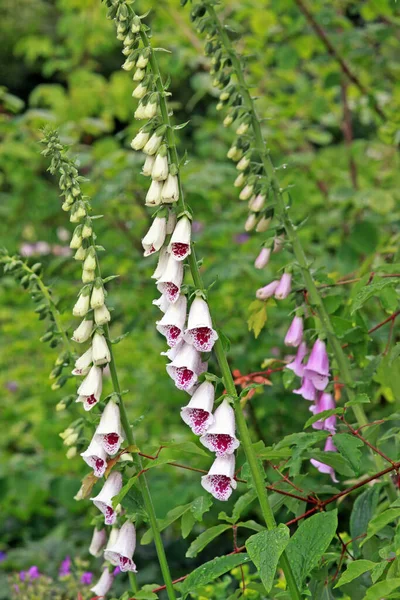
179 246
324 402
186 367
294 335
220 436
322 467
121 552
284 286
95 456
103 500
307 390
220 479
173 322
267 291
199 331
198 413
317 367
297 365
263 258
109 431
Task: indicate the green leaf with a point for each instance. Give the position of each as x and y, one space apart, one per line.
348 446
258 317
359 399
265 549
205 538
382 589
242 503
172 516
354 570
212 570
333 459
187 523
380 521
201 505
369 291
323 415
363 509
309 543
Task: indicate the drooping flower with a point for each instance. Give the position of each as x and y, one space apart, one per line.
220 436
161 264
98 296
96 457
104 584
153 196
160 167
284 286
199 331
83 363
102 315
109 430
155 237
256 203
307 390
219 480
263 258
198 413
162 303
179 246
173 322
170 191
263 224
98 542
170 282
148 165
297 365
325 401
121 552
140 140
186 367
294 334
246 192
267 291
100 350
89 392
317 367
250 222
322 467
103 500
81 306
152 146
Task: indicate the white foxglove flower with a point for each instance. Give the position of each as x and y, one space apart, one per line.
80 254
83 332
81 306
179 246
250 222
89 263
140 140
170 282
102 315
140 112
121 552
139 75
150 110
173 322
153 196
198 413
96 457
100 350
243 163
97 297
76 241
170 191
142 61
128 65
246 192
103 585
83 363
242 129
148 165
89 392
172 353
98 542
161 265
109 430
139 92
155 237
186 367
153 144
162 303
171 221
220 478
220 437
257 202
160 168
199 331
88 276
103 500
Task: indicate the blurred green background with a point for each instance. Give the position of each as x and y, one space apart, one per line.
60 65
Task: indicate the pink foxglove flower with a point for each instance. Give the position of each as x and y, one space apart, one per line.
179 246
324 402
220 478
89 392
220 436
284 287
263 258
95 456
162 303
200 332
173 322
104 584
294 335
307 390
109 430
267 291
155 237
161 265
153 196
103 500
98 542
317 367
186 367
81 306
322 467
170 282
83 363
170 191
121 552
198 413
100 350
297 365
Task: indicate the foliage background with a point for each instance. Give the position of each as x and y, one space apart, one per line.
61 65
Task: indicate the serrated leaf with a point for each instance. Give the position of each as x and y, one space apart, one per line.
323 415
379 521
354 570
212 570
201 505
265 549
363 509
348 446
258 317
369 291
205 538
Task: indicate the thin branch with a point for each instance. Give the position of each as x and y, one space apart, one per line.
348 134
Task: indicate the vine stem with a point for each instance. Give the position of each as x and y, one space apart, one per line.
218 347
291 232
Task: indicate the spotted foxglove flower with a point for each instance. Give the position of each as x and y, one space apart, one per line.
179 246
161 264
246 192
220 436
322 467
173 322
257 202
284 287
101 352
139 92
155 237
103 500
97 297
96 457
294 335
267 291
89 392
109 430
81 306
198 413
83 363
160 167
263 258
162 303
148 165
199 331
140 140
170 282
83 332
317 367
153 144
186 367
220 478
153 196
121 552
170 191
324 402
297 364
98 542
102 315
307 390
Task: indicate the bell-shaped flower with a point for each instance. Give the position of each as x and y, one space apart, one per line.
88 276
103 585
198 413
89 263
98 542
170 191
155 237
148 165
173 322
96 457
297 365
142 61
160 167
250 222
140 140
109 430
179 246
80 254
98 296
83 332
140 112
139 92
121 552
324 402
161 265
170 282
284 286
153 196
76 240
307 390
162 303
220 480
263 258
220 436
150 110
101 352
81 306
322 467
103 500
102 315
267 291
172 353
294 334
199 331
153 144
186 367
89 392
138 74
83 363
240 180
317 367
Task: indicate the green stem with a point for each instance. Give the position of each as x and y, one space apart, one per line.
218 347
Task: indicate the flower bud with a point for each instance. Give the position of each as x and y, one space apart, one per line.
250 222
170 190
140 140
160 167
153 144
263 224
88 276
87 228
267 291
136 24
78 212
228 120
243 163
263 258
103 500
83 363
90 260
242 129
102 315
153 196
284 287
83 332
140 91
81 306
256 203
246 192
76 241
100 350
97 297
148 165
235 153
80 254
155 237
240 180
142 60
104 584
294 334
128 66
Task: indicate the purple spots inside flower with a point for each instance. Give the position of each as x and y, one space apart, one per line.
221 486
65 568
125 563
184 378
99 466
111 443
151 250
91 400
180 250
109 515
171 291
220 443
86 578
203 338
173 334
199 420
